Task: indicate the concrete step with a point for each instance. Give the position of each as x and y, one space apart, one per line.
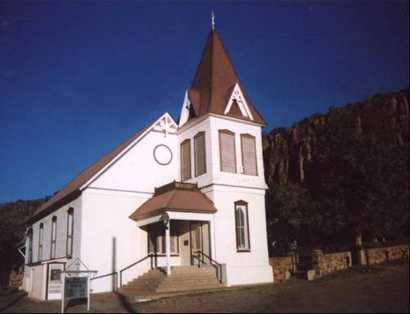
191 273
188 279
181 283
151 286
135 292
188 288
182 279
191 276
160 295
148 278
147 283
192 269
145 278
151 275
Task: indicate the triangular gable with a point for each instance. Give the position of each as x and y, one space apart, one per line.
238 99
80 182
164 124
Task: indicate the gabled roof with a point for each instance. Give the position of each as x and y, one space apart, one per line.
215 80
72 189
175 196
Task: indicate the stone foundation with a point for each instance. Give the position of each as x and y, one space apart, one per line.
325 264
15 279
386 254
283 267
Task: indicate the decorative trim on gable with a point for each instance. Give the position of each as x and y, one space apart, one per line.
238 98
165 125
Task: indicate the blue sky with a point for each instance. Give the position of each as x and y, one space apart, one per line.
78 77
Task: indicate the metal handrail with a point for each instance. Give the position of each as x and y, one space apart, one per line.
150 255
106 275
213 263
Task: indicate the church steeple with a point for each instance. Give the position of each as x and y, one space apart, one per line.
216 80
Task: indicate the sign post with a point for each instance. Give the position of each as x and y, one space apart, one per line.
62 293
88 293
76 284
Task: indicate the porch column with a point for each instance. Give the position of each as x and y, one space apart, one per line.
168 247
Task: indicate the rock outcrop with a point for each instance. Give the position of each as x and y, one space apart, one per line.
287 149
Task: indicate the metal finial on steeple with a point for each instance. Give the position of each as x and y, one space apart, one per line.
213 20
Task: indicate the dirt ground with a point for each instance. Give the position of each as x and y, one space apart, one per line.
382 288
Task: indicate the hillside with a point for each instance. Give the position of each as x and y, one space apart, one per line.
12 217
286 149
340 175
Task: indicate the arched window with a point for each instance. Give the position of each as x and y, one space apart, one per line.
242 226
53 237
70 231
200 154
227 151
248 148
40 241
186 160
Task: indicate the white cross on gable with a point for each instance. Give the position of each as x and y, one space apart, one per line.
165 125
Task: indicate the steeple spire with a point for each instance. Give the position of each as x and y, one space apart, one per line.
215 80
213 20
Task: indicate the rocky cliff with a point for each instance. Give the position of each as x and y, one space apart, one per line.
287 149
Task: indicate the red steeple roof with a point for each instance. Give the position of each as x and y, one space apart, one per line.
214 81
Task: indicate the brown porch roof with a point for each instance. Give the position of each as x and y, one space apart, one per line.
175 196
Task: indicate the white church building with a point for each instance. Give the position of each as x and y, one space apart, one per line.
179 192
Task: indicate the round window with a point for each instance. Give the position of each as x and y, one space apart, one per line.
162 154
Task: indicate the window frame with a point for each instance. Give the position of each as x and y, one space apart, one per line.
40 242
243 155
53 240
226 131
70 236
188 143
246 232
197 137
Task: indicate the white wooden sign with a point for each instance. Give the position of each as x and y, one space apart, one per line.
76 284
76 287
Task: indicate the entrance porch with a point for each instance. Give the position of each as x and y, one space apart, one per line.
187 238
178 223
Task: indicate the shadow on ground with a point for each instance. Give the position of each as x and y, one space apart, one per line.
9 298
124 302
